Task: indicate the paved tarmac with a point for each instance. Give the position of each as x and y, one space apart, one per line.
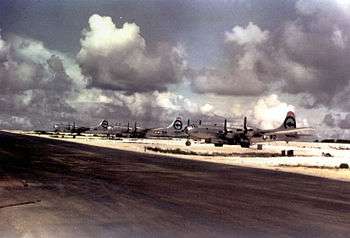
52 188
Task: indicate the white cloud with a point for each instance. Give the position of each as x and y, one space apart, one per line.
118 59
270 112
251 35
339 39
206 108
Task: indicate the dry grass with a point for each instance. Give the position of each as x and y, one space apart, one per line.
189 152
309 166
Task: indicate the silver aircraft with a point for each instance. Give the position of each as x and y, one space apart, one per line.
117 130
72 129
174 130
220 135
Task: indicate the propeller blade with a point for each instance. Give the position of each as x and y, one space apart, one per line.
128 130
200 122
225 126
245 125
188 122
135 127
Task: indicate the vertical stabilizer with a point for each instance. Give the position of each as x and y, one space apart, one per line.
177 124
289 121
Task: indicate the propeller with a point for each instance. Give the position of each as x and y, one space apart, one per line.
225 126
200 122
128 130
245 125
188 122
135 128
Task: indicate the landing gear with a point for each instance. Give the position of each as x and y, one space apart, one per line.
188 143
245 142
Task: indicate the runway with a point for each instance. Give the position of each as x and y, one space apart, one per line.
79 190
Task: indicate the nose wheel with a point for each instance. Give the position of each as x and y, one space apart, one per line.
188 143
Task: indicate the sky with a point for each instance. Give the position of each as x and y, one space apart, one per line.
150 61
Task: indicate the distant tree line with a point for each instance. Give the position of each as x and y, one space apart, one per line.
343 141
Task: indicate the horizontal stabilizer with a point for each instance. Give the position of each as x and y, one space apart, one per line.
290 131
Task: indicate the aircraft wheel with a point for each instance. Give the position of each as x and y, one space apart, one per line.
218 145
188 143
245 143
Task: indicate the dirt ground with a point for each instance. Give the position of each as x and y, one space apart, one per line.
63 189
308 157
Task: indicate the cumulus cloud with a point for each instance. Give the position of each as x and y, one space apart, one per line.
338 39
35 88
345 123
270 112
150 109
250 35
248 71
337 120
42 86
118 75
118 59
206 108
317 43
240 82
308 56
329 120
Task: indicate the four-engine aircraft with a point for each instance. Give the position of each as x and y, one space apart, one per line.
71 129
220 135
118 130
216 134
174 130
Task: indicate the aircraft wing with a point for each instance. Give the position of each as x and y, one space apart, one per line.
289 131
43 132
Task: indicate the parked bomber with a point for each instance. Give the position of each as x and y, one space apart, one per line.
174 130
118 130
72 129
220 135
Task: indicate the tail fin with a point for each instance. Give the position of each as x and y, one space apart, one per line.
289 121
103 124
177 124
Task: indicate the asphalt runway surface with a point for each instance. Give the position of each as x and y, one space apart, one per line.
51 188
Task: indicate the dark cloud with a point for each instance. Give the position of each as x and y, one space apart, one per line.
345 123
337 120
35 87
329 120
243 73
296 50
307 56
316 48
117 59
